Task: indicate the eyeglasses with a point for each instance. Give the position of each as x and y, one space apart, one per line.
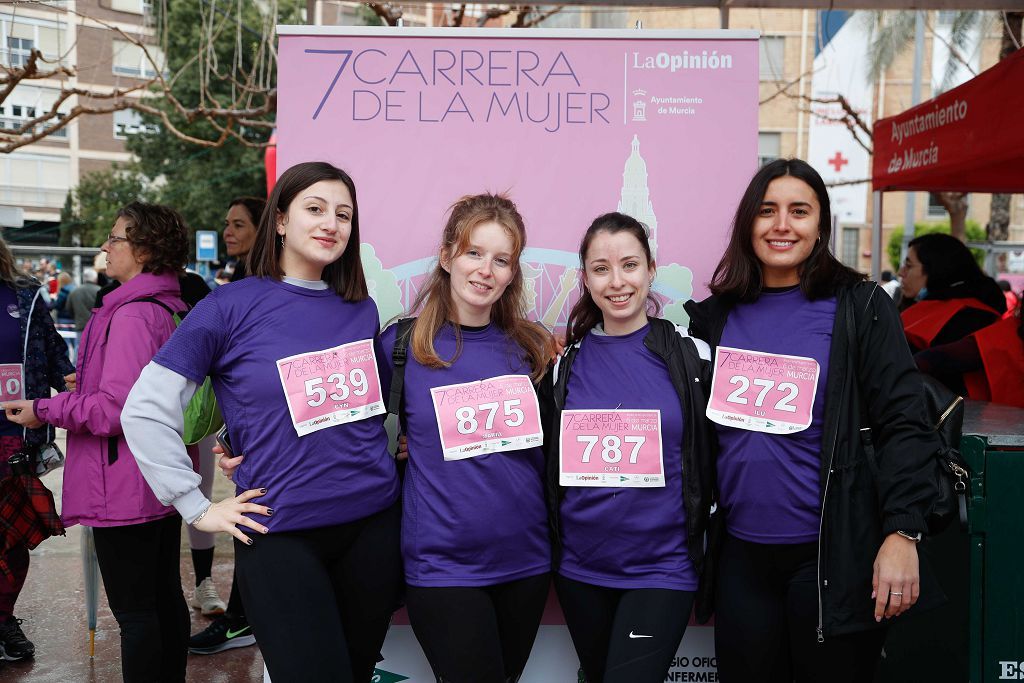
114 239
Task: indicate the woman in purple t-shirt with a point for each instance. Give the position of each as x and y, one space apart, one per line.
628 455
820 528
474 528
293 355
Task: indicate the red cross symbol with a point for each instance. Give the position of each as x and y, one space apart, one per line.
838 161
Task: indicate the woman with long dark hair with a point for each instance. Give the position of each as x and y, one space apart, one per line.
950 297
293 353
474 530
629 463
818 534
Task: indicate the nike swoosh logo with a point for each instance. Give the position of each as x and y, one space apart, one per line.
637 635
231 634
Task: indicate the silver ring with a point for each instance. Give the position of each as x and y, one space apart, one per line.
899 595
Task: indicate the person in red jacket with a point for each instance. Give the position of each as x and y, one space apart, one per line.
952 296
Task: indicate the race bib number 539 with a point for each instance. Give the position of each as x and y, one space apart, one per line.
331 387
762 392
489 416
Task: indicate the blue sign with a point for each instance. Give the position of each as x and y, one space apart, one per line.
206 245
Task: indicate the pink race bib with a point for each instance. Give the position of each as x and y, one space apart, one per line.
331 387
12 382
611 448
489 416
762 392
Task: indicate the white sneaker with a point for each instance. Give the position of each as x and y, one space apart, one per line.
206 599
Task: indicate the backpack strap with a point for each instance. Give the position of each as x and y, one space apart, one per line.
399 357
148 299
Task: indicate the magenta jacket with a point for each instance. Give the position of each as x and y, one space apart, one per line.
102 483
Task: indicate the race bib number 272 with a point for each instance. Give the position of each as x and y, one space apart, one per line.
331 387
762 392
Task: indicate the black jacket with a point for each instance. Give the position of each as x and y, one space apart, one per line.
869 490
691 377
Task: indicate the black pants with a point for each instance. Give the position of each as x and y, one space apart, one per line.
766 620
627 635
478 634
139 564
320 600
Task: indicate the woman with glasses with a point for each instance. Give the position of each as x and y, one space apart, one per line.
137 538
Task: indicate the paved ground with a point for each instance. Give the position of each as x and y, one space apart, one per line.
53 608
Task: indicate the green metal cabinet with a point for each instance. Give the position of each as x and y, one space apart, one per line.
993 445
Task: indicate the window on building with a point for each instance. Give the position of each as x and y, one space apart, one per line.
133 6
130 59
771 53
768 146
13 116
850 248
127 122
19 50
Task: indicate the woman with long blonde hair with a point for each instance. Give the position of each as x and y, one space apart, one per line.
474 534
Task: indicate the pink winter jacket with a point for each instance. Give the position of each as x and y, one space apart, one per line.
96 491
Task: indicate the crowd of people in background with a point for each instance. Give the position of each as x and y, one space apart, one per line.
735 515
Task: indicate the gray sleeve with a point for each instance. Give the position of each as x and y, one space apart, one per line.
153 420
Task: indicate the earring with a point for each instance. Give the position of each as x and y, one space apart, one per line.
280 241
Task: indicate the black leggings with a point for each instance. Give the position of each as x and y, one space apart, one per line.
766 620
620 634
139 564
320 600
478 634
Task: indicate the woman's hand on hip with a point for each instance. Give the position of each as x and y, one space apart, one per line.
896 584
227 515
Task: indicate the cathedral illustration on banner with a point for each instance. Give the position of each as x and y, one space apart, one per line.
635 200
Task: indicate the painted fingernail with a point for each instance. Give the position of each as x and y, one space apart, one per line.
263 491
270 511
248 541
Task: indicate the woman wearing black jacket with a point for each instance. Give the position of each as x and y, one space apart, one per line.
628 453
820 528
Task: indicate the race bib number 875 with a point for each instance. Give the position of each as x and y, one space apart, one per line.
762 392
331 387
490 416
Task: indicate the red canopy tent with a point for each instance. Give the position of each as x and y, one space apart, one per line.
969 139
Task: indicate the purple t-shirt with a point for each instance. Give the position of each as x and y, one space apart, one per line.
770 484
629 537
478 521
236 335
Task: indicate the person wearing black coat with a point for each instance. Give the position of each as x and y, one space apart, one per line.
813 546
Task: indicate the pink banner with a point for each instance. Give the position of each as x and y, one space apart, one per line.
571 124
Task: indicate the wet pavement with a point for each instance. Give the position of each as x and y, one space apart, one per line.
52 606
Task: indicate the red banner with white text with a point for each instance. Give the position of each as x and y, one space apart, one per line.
969 139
